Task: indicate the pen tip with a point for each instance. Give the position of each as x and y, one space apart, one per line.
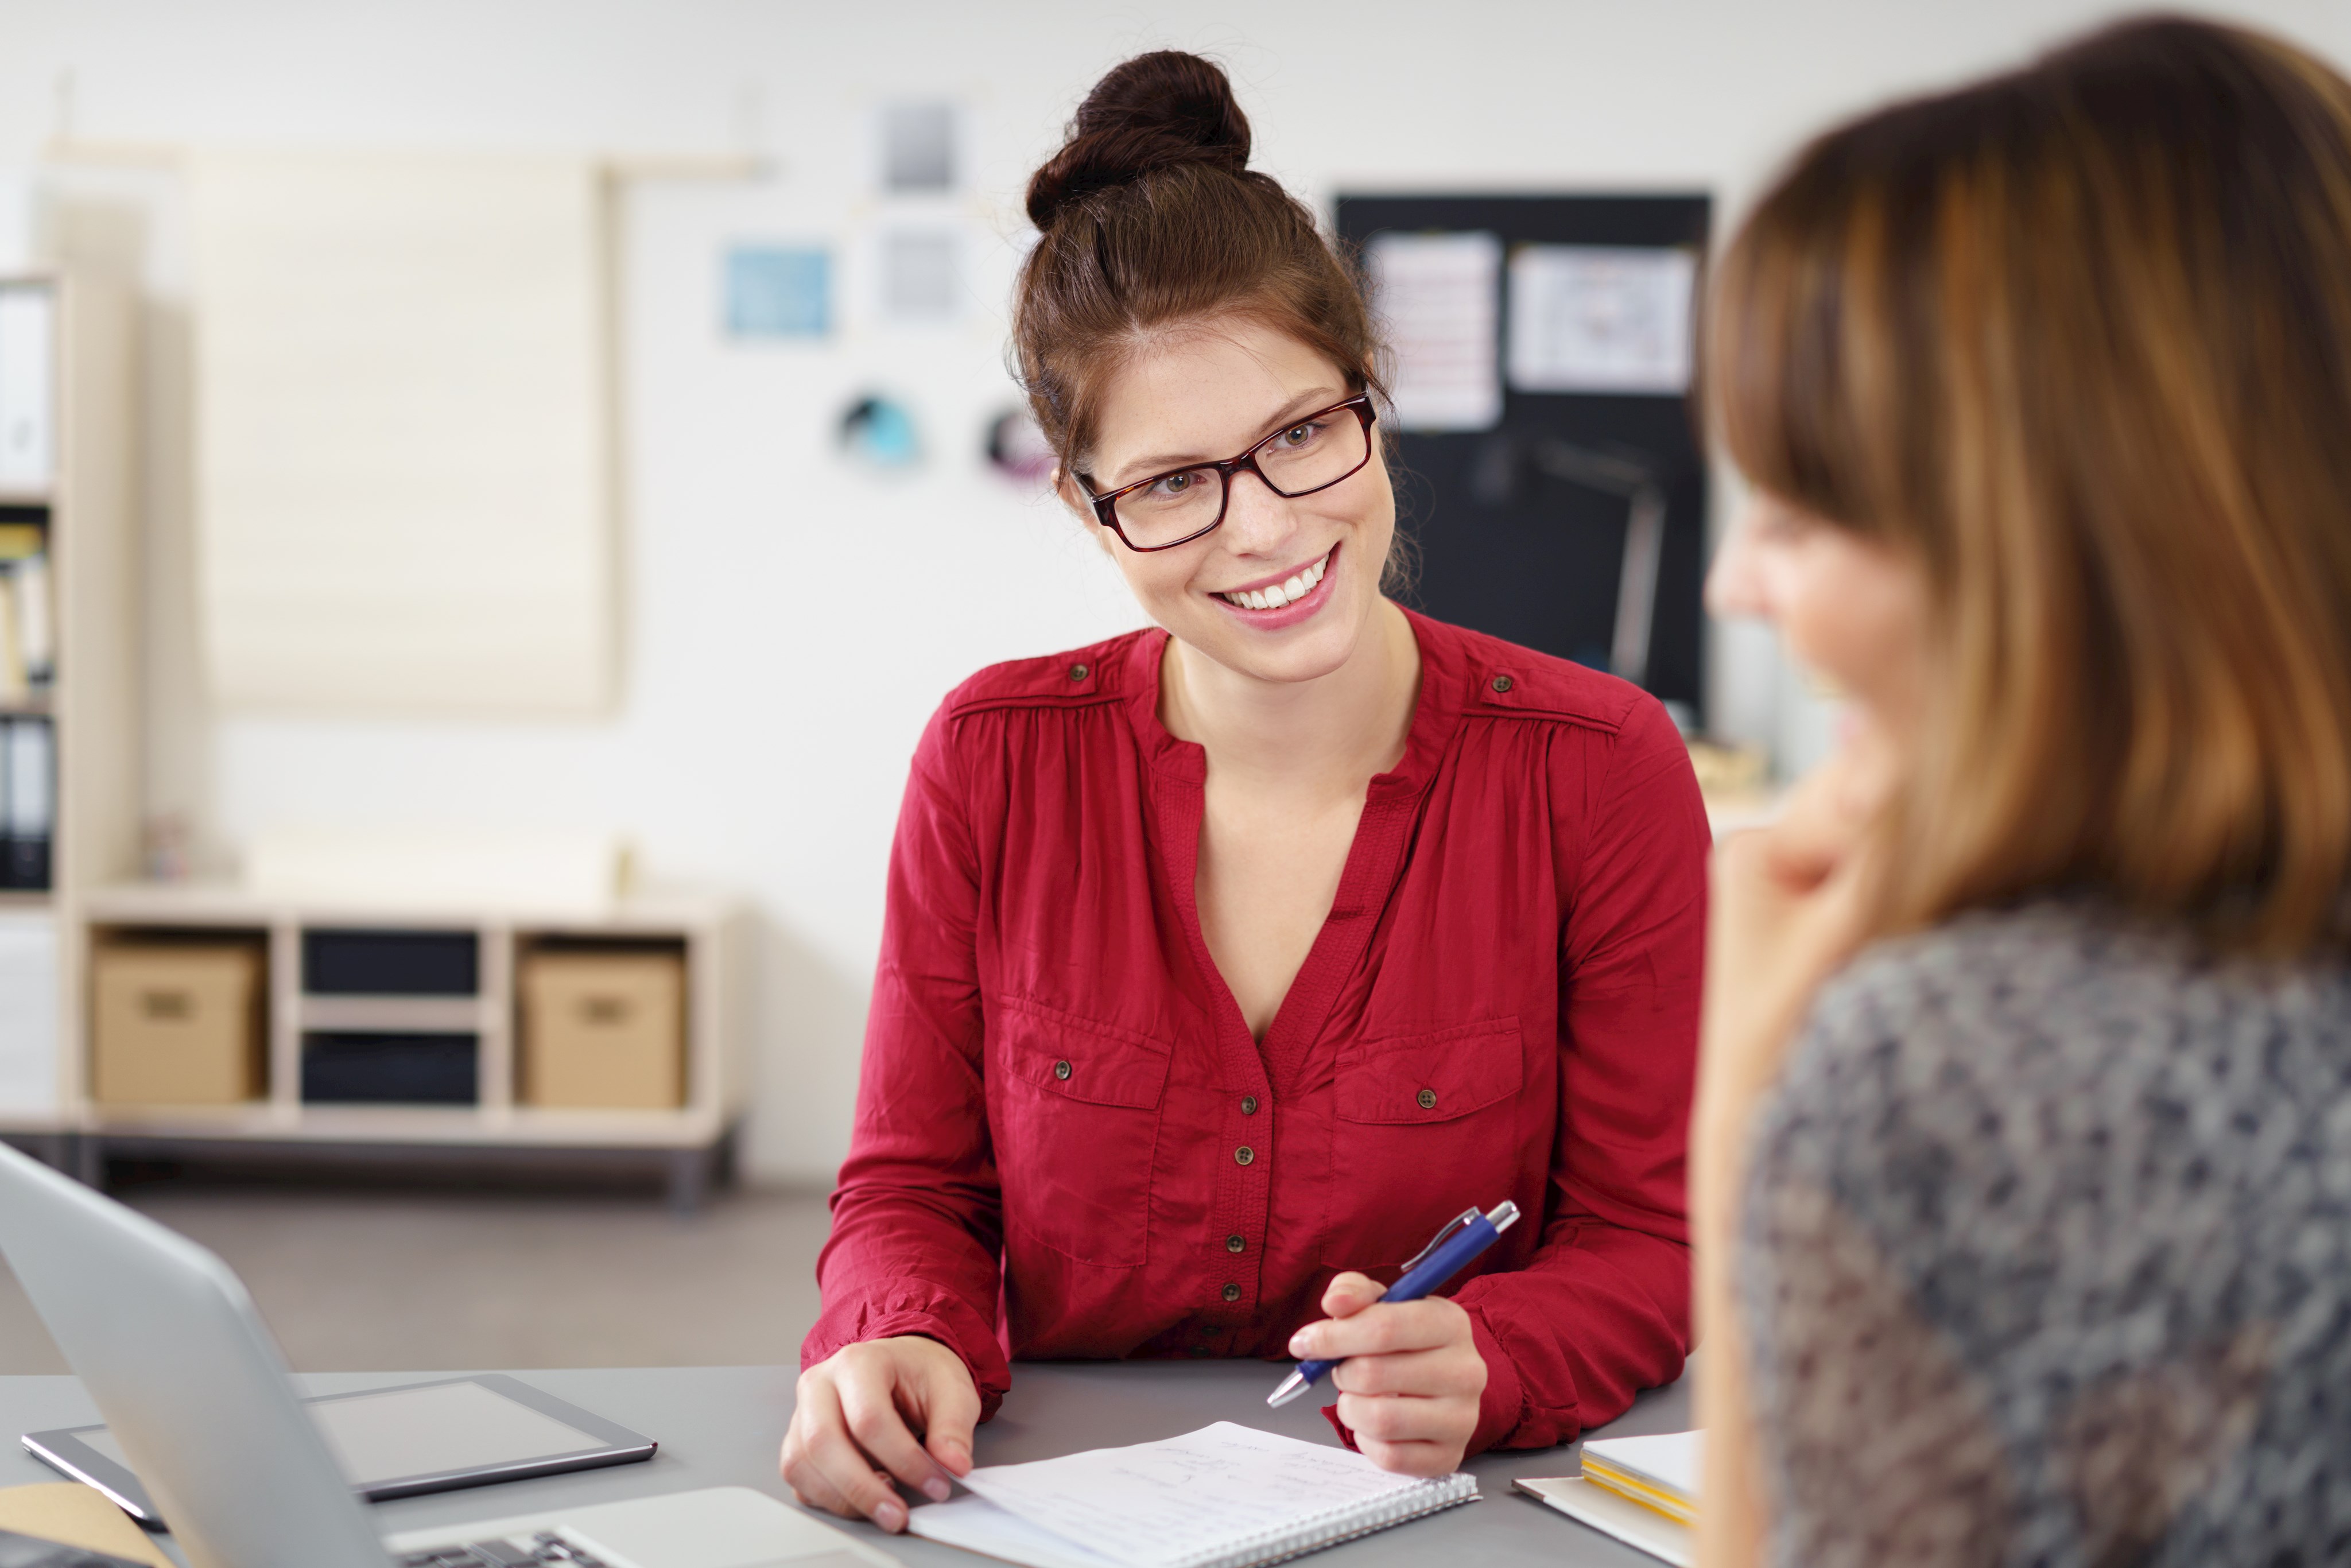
1290 1388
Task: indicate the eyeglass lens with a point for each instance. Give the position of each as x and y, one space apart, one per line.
1298 458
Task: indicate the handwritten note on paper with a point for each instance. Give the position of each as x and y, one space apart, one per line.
1163 1503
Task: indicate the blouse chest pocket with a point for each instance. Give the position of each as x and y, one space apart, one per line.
1426 1125
1075 1113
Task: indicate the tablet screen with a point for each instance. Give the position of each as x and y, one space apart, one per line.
425 1431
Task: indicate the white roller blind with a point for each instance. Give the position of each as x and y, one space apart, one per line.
402 442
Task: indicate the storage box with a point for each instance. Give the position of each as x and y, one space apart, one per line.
352 1067
603 1029
176 1025
344 962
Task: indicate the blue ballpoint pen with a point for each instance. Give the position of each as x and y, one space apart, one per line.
1463 1238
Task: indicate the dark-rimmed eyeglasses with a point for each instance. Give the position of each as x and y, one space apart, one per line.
1311 452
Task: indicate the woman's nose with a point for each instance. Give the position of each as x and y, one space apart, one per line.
1257 522
1734 584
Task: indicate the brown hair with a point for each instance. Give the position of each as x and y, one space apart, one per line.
2080 337
1149 217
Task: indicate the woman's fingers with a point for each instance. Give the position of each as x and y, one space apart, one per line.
1449 1370
1409 1379
1381 1329
1350 1294
906 1405
1411 1459
826 1469
1390 1418
947 1401
869 1410
863 1489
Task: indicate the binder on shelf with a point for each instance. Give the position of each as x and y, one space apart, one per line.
27 802
28 614
36 620
16 684
28 414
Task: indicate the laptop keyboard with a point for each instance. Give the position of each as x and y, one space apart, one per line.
504 1553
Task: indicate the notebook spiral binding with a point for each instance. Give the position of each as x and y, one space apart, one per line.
1296 1539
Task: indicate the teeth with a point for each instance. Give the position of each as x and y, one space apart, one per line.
1298 587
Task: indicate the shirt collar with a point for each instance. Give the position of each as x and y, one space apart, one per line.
1445 678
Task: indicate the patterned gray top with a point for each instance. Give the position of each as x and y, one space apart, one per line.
2046 1256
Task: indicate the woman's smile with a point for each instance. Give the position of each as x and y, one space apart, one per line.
1282 598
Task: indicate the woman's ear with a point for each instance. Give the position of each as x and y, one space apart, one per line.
1073 496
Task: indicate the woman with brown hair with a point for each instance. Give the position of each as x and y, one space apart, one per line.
2021 1170
1226 959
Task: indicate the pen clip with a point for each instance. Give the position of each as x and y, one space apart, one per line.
1442 1237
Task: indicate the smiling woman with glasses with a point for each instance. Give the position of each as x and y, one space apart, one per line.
1225 959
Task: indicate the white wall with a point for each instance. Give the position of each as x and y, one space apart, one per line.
790 624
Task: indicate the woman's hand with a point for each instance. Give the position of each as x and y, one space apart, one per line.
1789 907
1410 1383
902 1408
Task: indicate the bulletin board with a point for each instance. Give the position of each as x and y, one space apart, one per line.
1523 500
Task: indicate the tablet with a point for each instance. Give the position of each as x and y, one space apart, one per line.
398 1442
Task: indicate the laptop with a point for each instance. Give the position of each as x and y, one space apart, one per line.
195 1392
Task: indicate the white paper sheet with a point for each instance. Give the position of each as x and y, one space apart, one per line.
1440 297
977 1525
27 344
1605 1511
1600 319
1159 1503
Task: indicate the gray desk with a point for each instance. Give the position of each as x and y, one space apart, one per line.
720 1426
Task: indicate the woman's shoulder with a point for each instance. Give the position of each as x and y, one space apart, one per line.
2053 1010
1505 680
1099 672
2035 1183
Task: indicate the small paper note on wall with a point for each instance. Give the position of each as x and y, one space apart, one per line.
1438 297
1600 319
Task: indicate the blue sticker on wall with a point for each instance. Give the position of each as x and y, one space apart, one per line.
879 433
773 291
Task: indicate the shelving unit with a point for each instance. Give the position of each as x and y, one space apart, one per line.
85 510
691 1144
83 507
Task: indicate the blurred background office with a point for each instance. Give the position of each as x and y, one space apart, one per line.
687 325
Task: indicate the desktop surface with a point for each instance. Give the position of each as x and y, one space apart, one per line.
721 1426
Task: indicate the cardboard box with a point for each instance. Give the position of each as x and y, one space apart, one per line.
603 1029
177 1024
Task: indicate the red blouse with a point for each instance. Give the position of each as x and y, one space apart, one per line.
1069 1145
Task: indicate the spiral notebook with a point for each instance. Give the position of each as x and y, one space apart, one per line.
1222 1497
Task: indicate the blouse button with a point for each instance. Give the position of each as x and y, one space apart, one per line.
1248 1104
1232 1293
1234 1243
1501 682
1060 1070
1427 1097
1244 1155
1078 672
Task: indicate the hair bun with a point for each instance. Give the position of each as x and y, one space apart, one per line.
1151 112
